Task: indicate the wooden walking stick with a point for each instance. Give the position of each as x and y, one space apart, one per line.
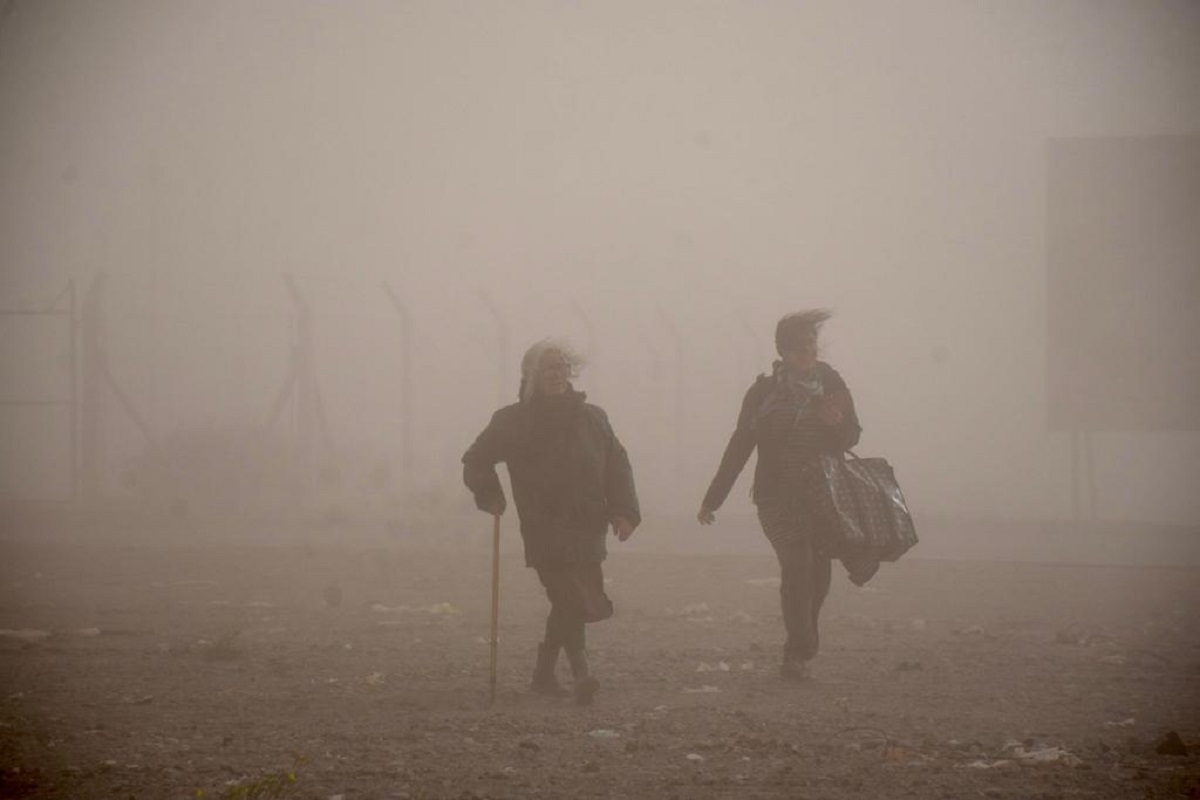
495 607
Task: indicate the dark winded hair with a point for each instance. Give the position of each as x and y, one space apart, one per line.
792 331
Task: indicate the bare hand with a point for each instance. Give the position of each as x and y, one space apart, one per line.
830 412
622 527
706 516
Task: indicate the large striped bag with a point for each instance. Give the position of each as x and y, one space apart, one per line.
860 511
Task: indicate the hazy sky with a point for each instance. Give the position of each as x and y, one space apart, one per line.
651 167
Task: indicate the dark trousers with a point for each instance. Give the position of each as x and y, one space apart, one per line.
804 584
576 594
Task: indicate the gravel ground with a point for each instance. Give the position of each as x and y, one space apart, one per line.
166 669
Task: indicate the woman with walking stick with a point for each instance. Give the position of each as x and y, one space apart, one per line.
571 480
801 410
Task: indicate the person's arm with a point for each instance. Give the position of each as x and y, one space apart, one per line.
737 453
849 431
479 468
838 413
619 490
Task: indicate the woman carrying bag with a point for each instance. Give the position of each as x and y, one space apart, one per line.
801 410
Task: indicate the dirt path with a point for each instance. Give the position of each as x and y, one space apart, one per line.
173 670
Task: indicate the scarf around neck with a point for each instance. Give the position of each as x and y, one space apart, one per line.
794 389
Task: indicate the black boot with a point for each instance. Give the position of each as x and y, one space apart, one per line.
544 680
585 685
794 667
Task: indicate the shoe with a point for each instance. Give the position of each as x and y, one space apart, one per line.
544 681
585 690
586 686
794 669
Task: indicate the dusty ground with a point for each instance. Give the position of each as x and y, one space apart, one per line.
176 669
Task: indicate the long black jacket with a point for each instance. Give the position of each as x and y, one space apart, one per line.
570 476
769 472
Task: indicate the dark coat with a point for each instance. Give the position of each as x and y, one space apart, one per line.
769 471
570 476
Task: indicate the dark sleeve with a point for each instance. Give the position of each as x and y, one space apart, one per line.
844 435
618 481
737 451
479 466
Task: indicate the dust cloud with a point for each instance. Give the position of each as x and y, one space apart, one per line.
267 267
657 182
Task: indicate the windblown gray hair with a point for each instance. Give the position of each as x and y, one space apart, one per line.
532 360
